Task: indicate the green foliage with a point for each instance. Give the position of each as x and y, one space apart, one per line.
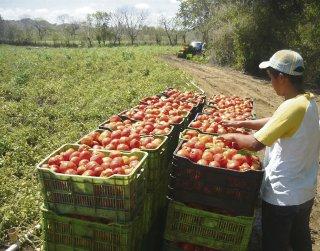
49 97
244 33
200 59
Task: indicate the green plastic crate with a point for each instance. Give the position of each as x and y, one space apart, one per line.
72 234
119 197
147 213
185 224
170 246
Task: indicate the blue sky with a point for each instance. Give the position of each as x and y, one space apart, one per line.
50 9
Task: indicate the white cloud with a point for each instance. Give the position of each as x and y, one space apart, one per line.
50 15
142 6
78 9
174 1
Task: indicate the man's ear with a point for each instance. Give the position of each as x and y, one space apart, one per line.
282 77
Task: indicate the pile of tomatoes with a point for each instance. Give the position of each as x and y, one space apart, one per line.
214 151
207 124
85 162
123 140
221 101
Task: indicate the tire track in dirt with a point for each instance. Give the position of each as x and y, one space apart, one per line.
215 80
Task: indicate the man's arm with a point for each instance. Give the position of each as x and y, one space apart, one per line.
248 142
250 124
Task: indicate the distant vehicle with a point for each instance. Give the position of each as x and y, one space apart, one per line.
194 48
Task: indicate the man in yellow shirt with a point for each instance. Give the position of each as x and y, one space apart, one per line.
292 141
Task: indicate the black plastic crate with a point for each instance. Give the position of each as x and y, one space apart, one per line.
235 192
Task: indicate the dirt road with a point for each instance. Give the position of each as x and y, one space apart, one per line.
214 80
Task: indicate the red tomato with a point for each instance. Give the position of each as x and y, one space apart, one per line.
115 118
244 167
132 158
123 147
195 154
92 165
85 155
54 161
75 160
54 168
150 146
106 141
239 158
106 173
208 156
134 136
232 164
214 164
230 153
83 147
125 132
105 165
88 173
124 140
114 154
249 160
195 124
116 162
134 143
87 140
97 159
110 147
149 128
183 153
115 142
134 163
65 165
202 162
71 172
81 169
118 170
116 134
83 162
94 136
74 154
97 171
146 140
200 145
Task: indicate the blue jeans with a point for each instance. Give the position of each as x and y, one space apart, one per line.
285 227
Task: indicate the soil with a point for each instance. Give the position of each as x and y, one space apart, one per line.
214 80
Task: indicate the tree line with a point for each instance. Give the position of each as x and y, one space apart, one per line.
123 26
242 33
237 33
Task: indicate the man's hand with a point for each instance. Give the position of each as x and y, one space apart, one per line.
244 141
229 136
235 124
250 124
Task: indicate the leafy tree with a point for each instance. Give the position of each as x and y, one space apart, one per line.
41 27
133 20
1 28
170 27
101 22
196 14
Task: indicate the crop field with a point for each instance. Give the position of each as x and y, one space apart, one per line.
49 97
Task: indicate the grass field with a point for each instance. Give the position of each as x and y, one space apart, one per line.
49 97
